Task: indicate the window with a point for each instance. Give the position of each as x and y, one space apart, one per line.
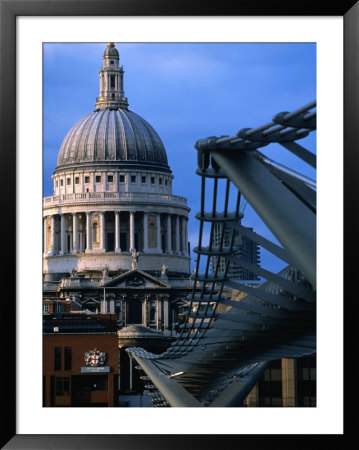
306 381
160 181
110 178
111 62
122 178
112 81
87 179
77 180
153 180
270 386
57 355
68 358
62 386
98 178
143 179
166 182
61 182
133 178
68 181
45 308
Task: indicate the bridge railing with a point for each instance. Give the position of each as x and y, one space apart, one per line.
273 320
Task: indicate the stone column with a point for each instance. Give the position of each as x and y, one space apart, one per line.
124 309
118 312
158 237
74 233
132 231
186 235
144 311
62 231
53 235
44 237
158 313
165 314
81 240
111 305
145 232
169 234
102 231
117 232
104 303
88 233
177 235
147 310
184 243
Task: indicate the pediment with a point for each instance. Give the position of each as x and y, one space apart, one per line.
136 279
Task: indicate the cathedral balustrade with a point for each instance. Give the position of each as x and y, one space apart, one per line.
78 282
89 197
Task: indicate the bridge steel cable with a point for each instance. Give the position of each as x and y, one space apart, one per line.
224 345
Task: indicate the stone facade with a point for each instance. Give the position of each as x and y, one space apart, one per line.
115 237
112 191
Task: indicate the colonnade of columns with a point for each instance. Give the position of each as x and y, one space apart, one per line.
90 236
155 311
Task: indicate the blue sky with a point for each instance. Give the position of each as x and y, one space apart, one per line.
186 92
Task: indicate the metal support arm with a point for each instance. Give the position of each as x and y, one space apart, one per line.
174 394
236 392
285 215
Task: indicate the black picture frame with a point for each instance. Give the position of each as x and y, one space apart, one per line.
9 10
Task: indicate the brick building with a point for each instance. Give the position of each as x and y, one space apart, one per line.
80 360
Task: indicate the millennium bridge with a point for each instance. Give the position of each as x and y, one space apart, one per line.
224 345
